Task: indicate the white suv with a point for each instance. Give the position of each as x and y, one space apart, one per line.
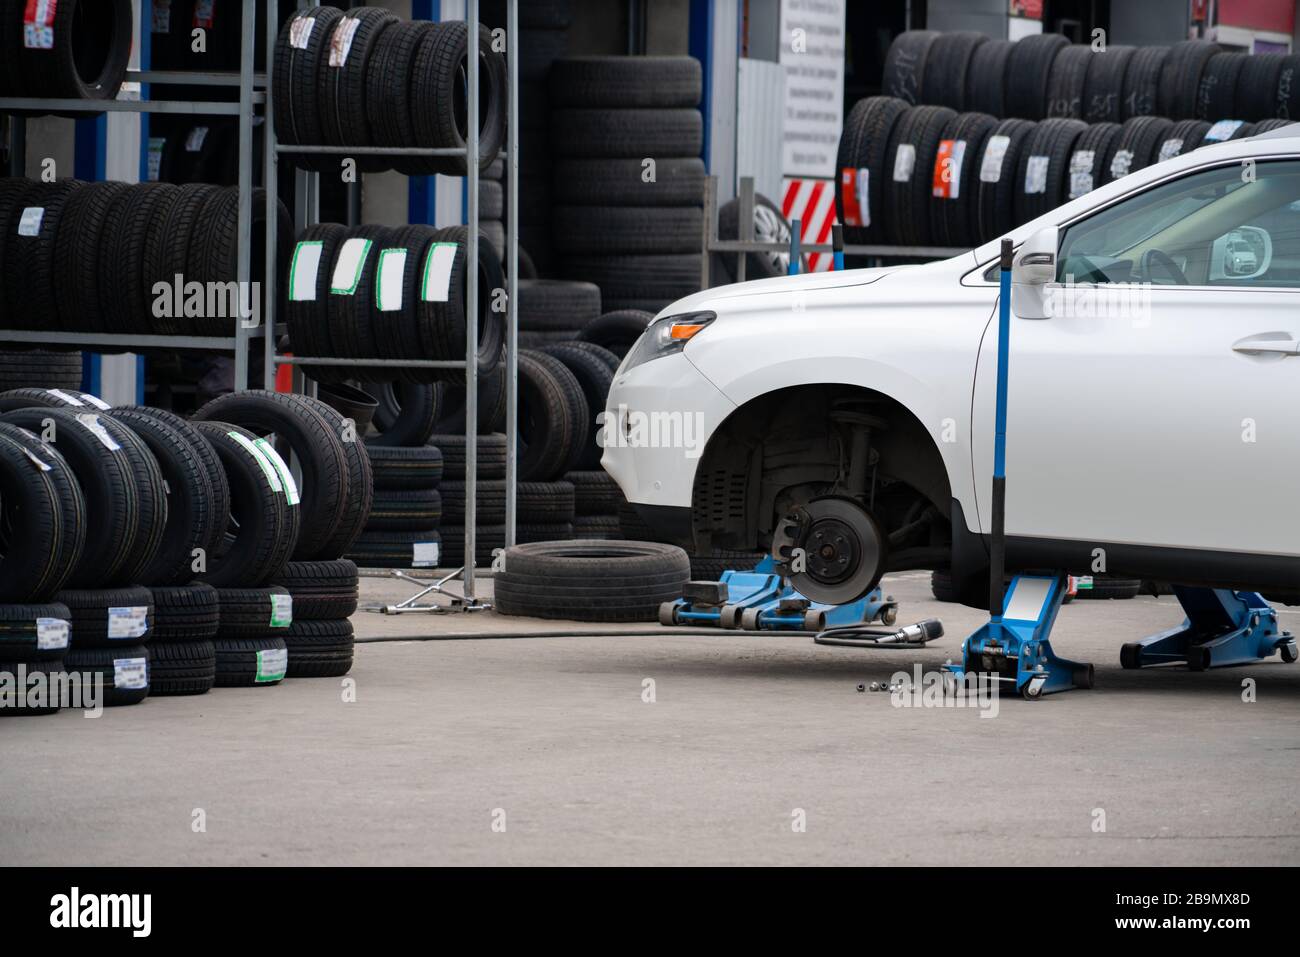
1153 429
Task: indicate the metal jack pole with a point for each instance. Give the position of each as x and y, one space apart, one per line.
1015 646
512 268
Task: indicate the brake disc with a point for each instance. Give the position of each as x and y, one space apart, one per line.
832 550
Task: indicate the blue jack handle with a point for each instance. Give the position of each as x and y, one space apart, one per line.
997 551
837 246
796 228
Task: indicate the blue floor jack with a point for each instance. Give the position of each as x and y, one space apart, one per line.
1223 627
762 600
1015 645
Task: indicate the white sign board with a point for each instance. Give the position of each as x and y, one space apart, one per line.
812 53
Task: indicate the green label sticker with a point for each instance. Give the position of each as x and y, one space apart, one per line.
436 284
271 665
391 283
304 270
269 470
281 611
281 469
347 267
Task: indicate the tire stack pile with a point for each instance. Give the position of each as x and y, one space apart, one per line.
980 136
285 605
626 136
86 257
364 78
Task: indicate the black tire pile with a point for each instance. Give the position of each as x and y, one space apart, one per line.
366 78
157 541
377 292
626 136
1001 173
1016 129
1045 76
88 257
75 49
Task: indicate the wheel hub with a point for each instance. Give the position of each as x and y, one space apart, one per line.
841 551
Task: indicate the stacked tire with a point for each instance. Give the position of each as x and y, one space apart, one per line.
74 49
626 136
104 257
366 78
261 638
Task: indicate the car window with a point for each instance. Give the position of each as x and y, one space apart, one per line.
1236 225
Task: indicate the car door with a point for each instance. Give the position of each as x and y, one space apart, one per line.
1159 405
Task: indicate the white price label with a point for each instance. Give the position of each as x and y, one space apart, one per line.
194 142
281 611
1223 130
304 271
348 264
60 394
425 554
1121 163
281 469
392 280
1081 172
904 162
268 470
1036 174
96 428
300 32
131 674
132 622
29 224
341 41
52 634
991 164
436 285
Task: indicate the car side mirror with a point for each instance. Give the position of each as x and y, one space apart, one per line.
1244 253
1031 271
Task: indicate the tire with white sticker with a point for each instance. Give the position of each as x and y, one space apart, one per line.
394 303
906 63
34 632
1138 145
348 304
262 527
997 168
319 649
313 441
1180 78
254 612
909 163
1044 169
92 445
406 549
74 49
435 84
954 203
342 76
121 672
322 591
1185 136
306 309
300 48
860 167
29 276
250 662
442 303
1090 158
109 617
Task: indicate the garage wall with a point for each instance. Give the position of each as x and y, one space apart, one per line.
983 16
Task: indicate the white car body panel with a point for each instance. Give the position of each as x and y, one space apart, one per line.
1167 447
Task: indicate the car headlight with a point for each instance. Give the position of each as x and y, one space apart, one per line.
666 336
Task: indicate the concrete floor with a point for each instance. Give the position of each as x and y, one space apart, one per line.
552 736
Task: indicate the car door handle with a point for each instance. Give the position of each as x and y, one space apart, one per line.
1268 343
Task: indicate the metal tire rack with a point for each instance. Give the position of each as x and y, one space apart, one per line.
307 195
253 92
